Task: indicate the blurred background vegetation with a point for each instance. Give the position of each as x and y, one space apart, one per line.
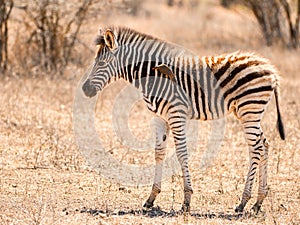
45 35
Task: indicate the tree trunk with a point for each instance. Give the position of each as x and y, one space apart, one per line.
297 25
5 10
269 14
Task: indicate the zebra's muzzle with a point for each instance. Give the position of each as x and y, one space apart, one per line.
89 89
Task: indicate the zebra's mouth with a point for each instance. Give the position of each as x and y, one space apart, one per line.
89 89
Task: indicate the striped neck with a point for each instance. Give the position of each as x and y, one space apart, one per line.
139 57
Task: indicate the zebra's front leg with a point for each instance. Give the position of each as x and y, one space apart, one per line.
161 132
178 130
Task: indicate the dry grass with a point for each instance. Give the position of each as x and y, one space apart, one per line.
45 180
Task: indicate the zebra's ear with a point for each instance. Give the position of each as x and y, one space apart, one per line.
110 39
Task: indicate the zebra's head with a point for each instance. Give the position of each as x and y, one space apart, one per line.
105 64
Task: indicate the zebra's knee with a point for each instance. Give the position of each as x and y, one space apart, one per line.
162 139
161 143
161 132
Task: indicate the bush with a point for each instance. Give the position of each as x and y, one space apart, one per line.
50 30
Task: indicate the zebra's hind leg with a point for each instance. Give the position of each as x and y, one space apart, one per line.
161 132
262 181
253 135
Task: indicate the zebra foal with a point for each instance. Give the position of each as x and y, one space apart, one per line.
177 86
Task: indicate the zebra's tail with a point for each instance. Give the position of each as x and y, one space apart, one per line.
280 126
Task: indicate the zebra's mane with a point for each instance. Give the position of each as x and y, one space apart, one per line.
124 35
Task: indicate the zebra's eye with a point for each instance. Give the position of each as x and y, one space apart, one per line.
101 63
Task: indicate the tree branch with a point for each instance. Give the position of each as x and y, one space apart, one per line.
297 25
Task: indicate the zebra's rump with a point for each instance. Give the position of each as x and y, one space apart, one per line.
231 82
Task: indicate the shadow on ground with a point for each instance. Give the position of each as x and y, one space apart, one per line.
157 212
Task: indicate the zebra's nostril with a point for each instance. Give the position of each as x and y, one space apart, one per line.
88 89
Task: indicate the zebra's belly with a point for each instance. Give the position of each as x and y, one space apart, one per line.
205 108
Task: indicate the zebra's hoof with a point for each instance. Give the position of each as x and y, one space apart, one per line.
256 208
185 208
148 205
239 208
